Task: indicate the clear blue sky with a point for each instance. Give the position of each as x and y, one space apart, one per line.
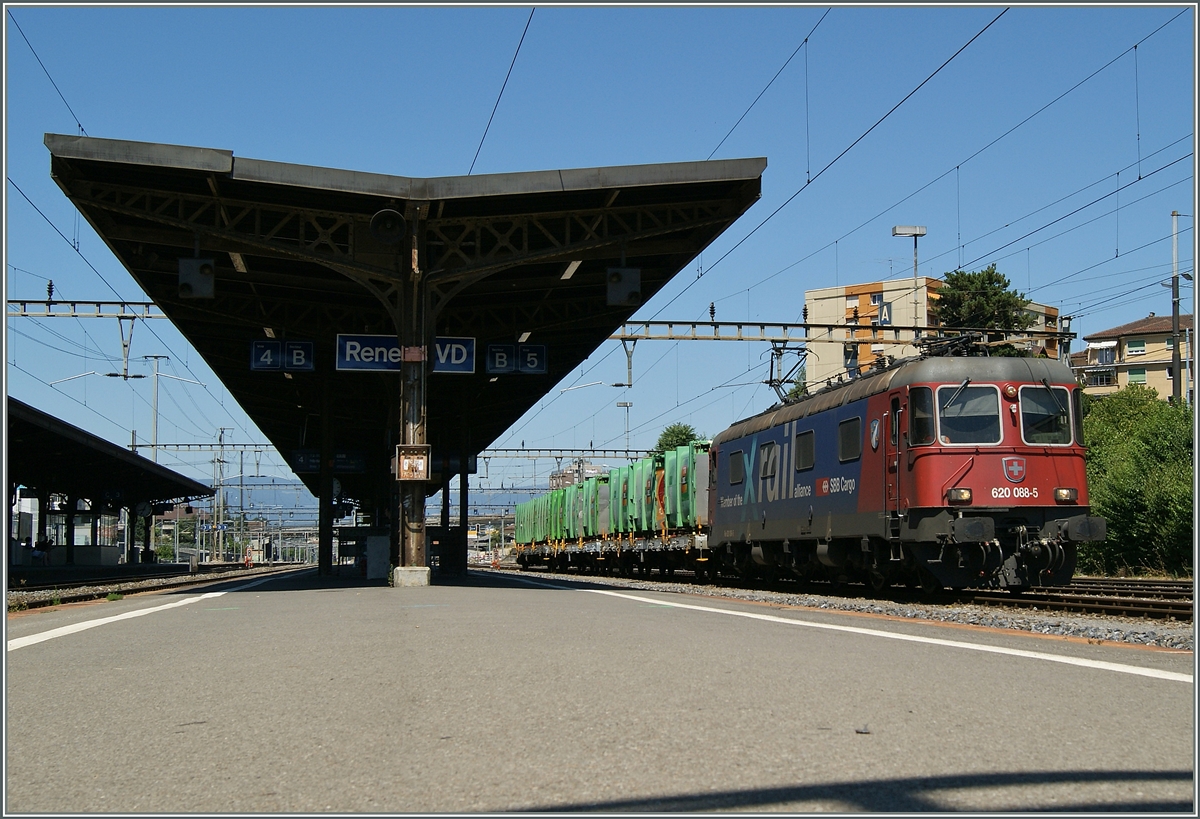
1011 154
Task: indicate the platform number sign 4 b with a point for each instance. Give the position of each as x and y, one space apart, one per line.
266 355
293 356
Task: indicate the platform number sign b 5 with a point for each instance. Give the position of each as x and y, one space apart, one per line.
526 359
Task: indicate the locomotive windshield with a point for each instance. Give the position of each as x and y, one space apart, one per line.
1044 415
968 415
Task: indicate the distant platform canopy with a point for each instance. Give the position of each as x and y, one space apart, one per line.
262 265
50 455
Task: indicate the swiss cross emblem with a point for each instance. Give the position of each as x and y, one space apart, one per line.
1014 469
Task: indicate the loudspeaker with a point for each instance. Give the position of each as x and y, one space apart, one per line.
197 278
624 286
388 226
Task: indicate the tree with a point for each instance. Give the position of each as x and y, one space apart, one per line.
1140 480
678 434
799 385
981 299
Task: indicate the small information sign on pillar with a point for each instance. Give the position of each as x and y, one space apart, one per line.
412 462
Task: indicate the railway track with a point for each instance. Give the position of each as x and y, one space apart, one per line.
1120 597
204 572
29 597
1116 597
1124 597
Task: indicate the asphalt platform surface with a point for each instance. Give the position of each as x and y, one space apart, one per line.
500 692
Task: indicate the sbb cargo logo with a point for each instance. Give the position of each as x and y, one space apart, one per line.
836 486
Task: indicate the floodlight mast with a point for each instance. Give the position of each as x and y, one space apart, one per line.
913 231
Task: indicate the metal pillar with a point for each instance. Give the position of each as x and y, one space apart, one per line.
1176 374
463 488
148 524
325 500
43 502
414 334
72 503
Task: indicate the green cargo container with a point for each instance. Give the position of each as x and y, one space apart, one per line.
684 460
578 514
637 494
556 514
616 503
600 512
646 480
568 512
671 488
592 488
698 479
657 498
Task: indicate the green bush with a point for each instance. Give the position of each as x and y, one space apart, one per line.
1140 481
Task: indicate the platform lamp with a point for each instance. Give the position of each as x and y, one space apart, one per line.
914 231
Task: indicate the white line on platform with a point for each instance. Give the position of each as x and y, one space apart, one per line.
21 642
912 638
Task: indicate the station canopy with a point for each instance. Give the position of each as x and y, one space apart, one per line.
50 455
507 258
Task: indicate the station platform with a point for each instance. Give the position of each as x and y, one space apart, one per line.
501 692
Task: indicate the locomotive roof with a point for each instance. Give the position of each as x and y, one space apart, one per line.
936 369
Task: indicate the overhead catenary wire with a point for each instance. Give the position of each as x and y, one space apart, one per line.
1077 210
835 242
844 151
502 87
68 395
149 326
809 181
47 72
957 165
768 85
833 161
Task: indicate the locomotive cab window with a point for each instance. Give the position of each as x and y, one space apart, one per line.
920 419
737 467
1045 415
850 439
968 414
1077 407
805 451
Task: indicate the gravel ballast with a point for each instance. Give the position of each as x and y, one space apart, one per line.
1159 633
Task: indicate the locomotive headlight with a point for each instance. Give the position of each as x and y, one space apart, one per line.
1010 392
1066 495
959 494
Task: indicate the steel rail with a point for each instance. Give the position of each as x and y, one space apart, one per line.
83 592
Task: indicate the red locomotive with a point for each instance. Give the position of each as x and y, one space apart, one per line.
945 470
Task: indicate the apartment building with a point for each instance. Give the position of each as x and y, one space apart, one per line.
1139 352
872 316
